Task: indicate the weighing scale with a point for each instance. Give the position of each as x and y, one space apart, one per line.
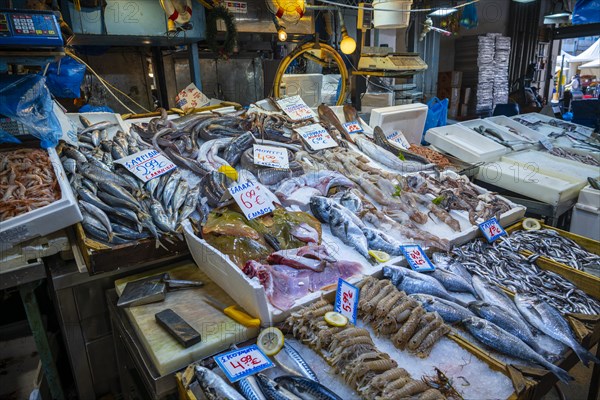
380 61
29 37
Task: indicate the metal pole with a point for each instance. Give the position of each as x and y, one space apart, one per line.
560 74
195 65
36 324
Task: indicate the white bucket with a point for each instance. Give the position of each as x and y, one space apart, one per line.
384 19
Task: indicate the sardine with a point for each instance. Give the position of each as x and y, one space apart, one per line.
90 197
214 387
548 320
502 341
306 389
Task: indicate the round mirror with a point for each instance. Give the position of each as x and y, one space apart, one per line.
316 72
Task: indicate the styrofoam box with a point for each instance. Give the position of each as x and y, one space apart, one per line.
585 221
516 141
95 117
504 121
42 221
558 167
308 86
589 197
546 119
511 175
465 144
407 118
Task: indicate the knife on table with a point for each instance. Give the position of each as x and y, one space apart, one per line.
233 312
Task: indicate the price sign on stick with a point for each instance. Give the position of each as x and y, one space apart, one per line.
253 198
346 300
399 138
295 108
270 156
417 259
147 164
240 363
491 229
353 127
316 136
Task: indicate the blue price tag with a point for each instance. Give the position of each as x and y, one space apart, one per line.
417 259
240 363
346 300
491 229
353 127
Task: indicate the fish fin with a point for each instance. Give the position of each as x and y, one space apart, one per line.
561 373
585 356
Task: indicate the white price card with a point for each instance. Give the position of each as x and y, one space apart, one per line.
587 132
353 127
529 118
316 136
556 109
547 144
346 300
147 164
398 137
295 108
491 229
417 259
240 363
269 156
253 198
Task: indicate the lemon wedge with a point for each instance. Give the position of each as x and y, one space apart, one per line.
336 319
380 256
270 341
230 172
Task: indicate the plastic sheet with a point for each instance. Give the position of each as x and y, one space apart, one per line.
26 98
64 78
586 12
436 115
469 18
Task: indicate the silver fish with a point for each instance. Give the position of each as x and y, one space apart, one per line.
292 362
548 320
272 390
170 187
493 295
99 215
452 281
348 232
214 387
502 341
160 218
388 159
189 205
450 312
98 126
306 389
117 191
179 196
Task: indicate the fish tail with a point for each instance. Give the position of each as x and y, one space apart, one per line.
585 356
560 373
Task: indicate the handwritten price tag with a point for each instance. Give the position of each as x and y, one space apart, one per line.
270 156
417 259
253 198
240 363
316 136
491 229
295 108
587 132
353 127
398 138
547 144
346 300
147 164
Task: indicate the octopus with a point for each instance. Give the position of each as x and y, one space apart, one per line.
27 182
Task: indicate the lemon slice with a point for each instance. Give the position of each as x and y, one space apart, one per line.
336 319
380 256
270 341
531 224
230 172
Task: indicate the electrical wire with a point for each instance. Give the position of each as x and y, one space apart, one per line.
106 84
389 89
333 3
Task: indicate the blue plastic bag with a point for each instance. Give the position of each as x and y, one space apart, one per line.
26 98
6 137
436 115
586 12
64 78
469 19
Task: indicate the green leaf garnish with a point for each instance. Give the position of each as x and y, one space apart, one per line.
438 200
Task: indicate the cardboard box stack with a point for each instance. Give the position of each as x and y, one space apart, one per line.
449 87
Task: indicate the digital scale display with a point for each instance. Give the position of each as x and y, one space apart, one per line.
34 28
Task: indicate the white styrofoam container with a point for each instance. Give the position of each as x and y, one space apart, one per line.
371 101
585 221
558 167
44 220
526 181
589 197
308 86
527 132
516 141
95 117
407 118
465 144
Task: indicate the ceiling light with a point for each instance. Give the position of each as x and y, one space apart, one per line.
282 34
442 12
524 1
347 44
560 14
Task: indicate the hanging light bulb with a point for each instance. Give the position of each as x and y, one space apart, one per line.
281 34
347 44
